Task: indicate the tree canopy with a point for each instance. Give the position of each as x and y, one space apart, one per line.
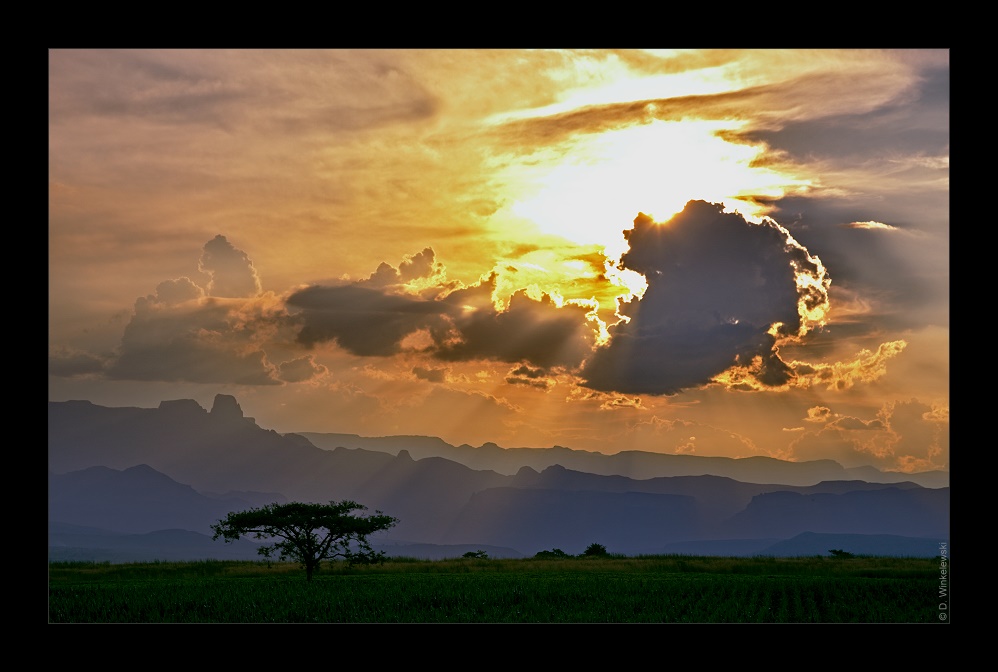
595 550
308 533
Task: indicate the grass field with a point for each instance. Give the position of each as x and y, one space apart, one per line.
652 589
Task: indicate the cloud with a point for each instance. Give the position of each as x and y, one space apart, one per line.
363 320
537 332
333 90
619 401
418 267
818 414
179 333
173 292
866 367
301 369
432 375
70 363
525 375
191 342
660 435
855 424
721 293
232 273
802 91
912 119
905 436
374 318
871 225
919 434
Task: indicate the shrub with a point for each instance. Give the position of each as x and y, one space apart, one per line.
556 553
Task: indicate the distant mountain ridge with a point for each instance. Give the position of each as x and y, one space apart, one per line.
632 463
132 470
140 500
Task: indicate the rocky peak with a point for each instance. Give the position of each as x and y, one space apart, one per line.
226 407
182 408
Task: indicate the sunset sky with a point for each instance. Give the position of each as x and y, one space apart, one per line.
706 252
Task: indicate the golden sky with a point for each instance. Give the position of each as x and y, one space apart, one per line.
710 252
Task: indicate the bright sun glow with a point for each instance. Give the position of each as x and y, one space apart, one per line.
613 85
597 191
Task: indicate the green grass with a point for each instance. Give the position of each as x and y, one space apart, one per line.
650 589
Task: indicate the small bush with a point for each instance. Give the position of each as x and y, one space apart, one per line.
482 555
839 553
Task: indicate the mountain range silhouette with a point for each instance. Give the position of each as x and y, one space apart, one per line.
129 483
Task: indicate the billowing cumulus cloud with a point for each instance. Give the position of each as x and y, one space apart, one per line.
722 295
721 292
172 292
418 267
231 271
363 320
194 343
537 332
179 333
371 319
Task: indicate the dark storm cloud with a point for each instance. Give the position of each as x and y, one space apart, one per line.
888 164
232 273
420 265
531 331
363 320
367 319
187 357
901 269
913 124
716 286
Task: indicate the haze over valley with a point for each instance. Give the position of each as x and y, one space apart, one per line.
140 471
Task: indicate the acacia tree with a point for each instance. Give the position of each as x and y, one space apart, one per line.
308 533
